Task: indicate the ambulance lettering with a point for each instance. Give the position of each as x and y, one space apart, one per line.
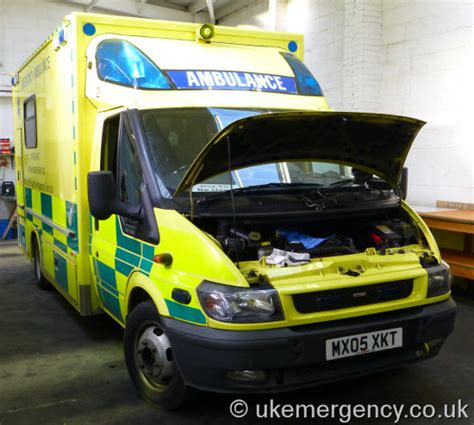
232 80
205 79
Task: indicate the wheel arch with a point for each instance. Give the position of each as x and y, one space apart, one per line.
141 288
33 236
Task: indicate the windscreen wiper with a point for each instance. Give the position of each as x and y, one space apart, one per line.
258 188
341 183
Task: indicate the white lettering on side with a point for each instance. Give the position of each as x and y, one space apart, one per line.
240 83
192 80
270 82
280 83
205 78
260 81
229 79
218 78
250 80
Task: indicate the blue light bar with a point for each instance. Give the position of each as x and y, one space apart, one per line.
306 82
120 62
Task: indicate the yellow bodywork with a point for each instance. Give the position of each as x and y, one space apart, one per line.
71 107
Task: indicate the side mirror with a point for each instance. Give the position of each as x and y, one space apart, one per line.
404 183
103 201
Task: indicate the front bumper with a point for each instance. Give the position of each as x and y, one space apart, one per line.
296 357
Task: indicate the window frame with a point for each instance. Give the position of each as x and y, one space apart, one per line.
119 149
145 229
25 120
105 160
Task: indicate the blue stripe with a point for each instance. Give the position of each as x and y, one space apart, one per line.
148 251
128 257
28 198
46 205
60 271
47 228
123 268
232 80
184 312
21 232
145 266
111 303
60 245
107 277
106 273
126 242
109 287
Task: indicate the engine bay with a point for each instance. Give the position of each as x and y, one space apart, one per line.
251 239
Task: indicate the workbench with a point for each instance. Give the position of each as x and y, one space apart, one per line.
460 223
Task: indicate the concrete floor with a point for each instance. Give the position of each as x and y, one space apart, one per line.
59 368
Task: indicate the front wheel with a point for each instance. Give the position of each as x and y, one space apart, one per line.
150 359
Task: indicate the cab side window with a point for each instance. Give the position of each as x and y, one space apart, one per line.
29 118
129 177
109 145
119 156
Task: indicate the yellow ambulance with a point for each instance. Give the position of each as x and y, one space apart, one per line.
192 182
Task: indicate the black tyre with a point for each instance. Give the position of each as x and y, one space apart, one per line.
40 280
150 360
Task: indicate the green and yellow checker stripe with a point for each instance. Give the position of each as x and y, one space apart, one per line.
113 273
55 221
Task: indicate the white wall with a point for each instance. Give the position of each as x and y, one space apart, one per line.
6 124
24 24
428 73
402 57
255 14
322 27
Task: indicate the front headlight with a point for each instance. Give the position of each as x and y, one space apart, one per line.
241 305
439 280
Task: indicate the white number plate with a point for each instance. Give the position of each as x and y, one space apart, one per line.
353 345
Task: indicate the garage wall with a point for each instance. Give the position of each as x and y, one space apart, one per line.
255 14
428 73
401 57
323 29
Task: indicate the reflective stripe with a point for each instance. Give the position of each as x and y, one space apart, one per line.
185 312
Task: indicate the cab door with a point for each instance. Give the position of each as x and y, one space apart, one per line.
115 251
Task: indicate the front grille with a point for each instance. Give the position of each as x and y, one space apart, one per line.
313 302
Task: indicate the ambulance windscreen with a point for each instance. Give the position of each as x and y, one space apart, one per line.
120 62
